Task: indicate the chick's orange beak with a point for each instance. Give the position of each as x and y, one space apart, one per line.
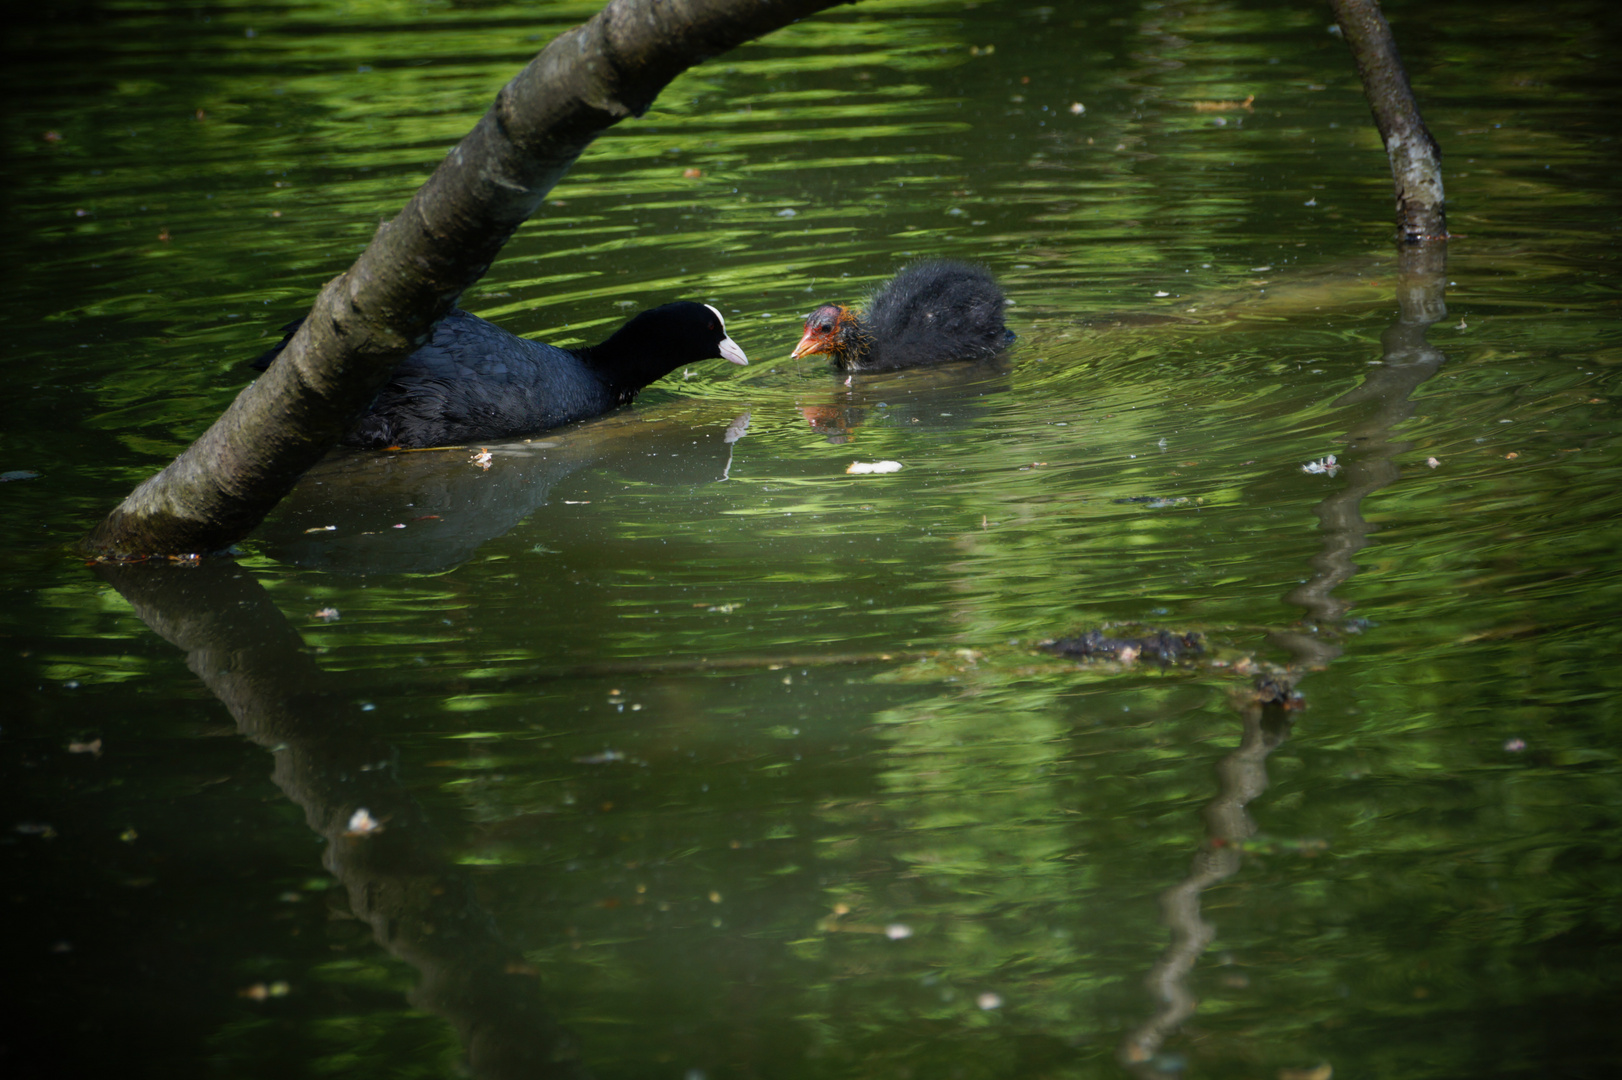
814 341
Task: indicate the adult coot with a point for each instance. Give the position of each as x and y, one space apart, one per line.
930 313
474 382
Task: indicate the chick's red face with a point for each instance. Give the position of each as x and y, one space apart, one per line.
823 329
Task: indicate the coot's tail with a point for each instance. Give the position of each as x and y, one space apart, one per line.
263 360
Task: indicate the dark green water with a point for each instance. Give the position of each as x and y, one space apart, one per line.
704 759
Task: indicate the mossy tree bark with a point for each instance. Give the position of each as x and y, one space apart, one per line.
1416 160
374 314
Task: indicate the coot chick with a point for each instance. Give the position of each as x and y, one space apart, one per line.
474 382
930 313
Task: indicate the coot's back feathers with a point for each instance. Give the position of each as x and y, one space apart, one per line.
932 312
474 382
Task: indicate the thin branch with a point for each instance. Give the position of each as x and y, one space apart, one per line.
1416 160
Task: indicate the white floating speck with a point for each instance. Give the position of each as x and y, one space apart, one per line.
862 468
1326 465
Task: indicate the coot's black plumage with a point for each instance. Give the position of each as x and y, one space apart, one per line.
474 382
930 313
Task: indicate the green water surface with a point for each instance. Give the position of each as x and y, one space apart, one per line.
687 754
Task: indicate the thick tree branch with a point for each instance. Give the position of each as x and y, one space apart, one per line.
384 306
1416 160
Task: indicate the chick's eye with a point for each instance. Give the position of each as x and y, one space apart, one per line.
826 328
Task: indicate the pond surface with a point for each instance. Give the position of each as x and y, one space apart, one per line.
682 751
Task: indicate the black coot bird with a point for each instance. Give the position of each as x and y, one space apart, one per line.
930 313
474 382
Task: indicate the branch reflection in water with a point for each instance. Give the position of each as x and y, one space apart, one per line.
1408 360
397 870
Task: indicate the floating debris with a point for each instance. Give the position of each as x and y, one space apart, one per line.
864 468
1155 502
362 823
1225 106
1324 465
1278 690
1162 645
1321 1072
265 991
